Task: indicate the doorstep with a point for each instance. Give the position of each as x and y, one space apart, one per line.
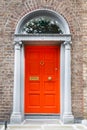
45 124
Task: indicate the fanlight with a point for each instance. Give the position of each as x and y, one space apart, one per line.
41 25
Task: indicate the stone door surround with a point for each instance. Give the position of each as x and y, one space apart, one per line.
65 65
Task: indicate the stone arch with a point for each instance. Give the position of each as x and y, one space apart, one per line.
44 12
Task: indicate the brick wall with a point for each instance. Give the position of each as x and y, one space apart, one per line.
84 42
75 12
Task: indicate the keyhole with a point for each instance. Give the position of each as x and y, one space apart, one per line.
42 63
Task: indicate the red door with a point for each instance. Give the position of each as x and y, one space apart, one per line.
42 79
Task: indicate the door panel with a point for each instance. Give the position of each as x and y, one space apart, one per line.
42 79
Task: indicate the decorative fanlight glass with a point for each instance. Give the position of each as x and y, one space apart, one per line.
41 25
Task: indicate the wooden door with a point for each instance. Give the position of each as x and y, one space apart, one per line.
42 79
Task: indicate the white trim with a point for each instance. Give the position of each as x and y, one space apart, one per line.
67 115
62 78
22 77
16 114
43 37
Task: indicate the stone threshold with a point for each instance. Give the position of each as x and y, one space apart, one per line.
44 124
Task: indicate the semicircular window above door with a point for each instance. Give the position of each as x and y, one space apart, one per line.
41 25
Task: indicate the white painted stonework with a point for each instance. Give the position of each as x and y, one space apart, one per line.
84 122
67 115
16 115
65 71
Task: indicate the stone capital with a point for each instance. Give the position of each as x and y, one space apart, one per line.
18 45
67 45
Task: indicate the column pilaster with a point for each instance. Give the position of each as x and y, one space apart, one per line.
67 115
16 116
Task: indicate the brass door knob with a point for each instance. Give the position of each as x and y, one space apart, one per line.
49 78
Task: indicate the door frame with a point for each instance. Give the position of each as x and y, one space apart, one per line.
62 75
66 116
62 69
